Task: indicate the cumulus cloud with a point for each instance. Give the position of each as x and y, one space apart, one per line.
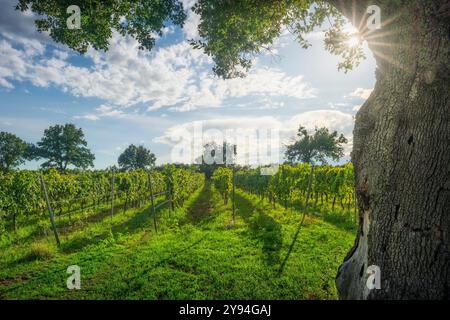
20 25
361 93
6 84
190 27
251 134
176 77
260 82
332 119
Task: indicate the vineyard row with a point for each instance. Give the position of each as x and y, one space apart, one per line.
22 197
331 185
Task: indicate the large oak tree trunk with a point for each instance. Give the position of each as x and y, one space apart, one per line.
401 156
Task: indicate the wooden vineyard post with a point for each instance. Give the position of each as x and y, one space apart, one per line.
234 194
309 187
171 206
50 211
233 180
112 194
152 201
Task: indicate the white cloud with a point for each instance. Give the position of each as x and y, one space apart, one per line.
186 139
361 93
317 35
6 84
168 30
260 82
190 27
177 77
12 64
19 26
356 107
251 128
332 119
109 111
132 117
90 117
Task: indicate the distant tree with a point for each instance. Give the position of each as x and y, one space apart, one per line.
214 156
64 145
13 151
315 148
136 158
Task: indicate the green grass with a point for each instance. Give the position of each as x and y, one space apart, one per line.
198 253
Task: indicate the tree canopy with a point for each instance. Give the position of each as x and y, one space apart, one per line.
143 20
232 32
64 145
317 147
135 157
13 151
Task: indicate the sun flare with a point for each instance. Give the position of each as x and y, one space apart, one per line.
353 41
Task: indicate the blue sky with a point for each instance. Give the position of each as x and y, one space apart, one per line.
128 96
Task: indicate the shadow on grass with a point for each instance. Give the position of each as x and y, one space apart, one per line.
340 221
29 257
261 227
138 220
134 282
201 209
142 218
66 226
78 243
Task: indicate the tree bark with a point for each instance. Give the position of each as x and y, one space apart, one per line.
401 156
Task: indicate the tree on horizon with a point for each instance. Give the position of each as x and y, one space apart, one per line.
13 151
62 146
136 157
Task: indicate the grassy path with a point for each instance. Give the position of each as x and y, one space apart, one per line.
199 254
